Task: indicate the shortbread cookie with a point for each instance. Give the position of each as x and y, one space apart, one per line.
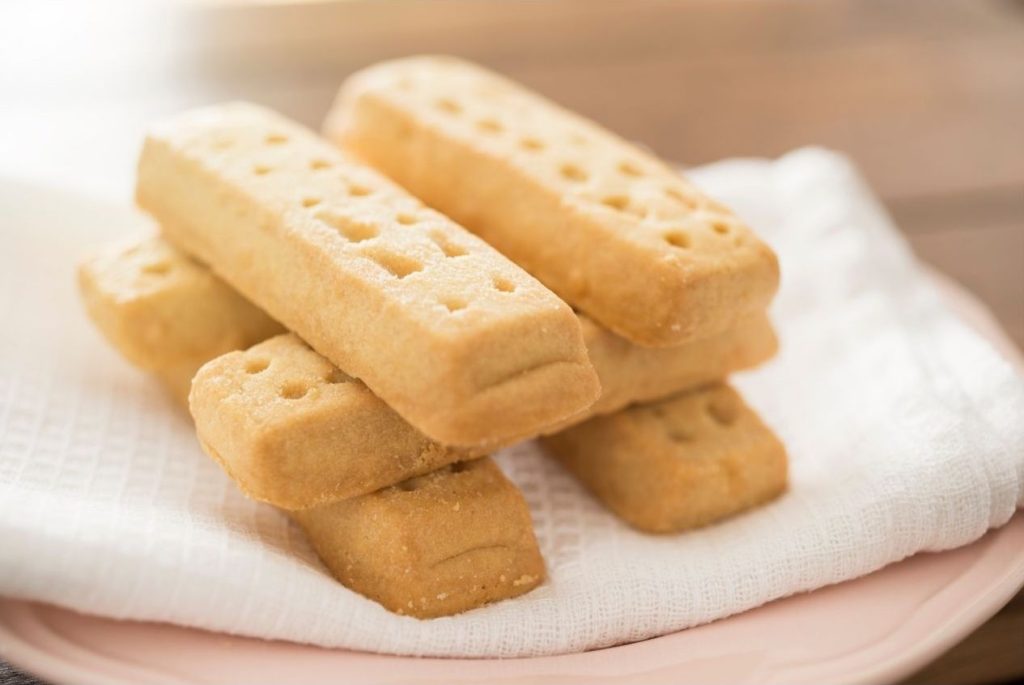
165 312
676 464
457 339
439 544
630 373
232 405
294 431
608 227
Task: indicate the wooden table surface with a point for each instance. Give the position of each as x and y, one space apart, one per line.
926 97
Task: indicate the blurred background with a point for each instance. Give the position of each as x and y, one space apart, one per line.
926 96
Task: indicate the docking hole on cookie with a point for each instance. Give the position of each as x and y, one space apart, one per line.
294 390
678 239
449 105
454 304
572 172
258 365
350 230
678 196
397 265
502 284
628 168
490 126
449 248
532 144
617 202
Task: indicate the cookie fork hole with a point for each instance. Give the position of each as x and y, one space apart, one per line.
502 284
448 105
678 239
617 202
294 390
490 126
447 246
571 172
398 265
454 304
351 230
627 168
531 144
257 365
720 227
680 197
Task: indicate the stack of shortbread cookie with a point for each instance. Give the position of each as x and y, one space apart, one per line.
355 326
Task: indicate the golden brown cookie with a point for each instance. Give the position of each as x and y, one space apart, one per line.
294 431
680 463
630 373
165 312
610 228
260 437
456 338
439 544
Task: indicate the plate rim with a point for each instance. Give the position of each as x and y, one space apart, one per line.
904 650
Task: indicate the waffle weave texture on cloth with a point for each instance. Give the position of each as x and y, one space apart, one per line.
905 432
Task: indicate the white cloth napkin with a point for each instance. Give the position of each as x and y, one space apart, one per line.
905 431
